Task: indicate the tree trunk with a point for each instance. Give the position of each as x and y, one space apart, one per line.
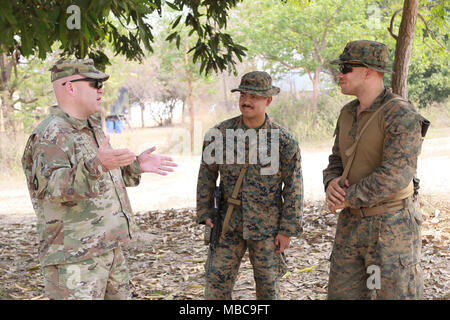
225 93
2 118
142 105
8 113
190 98
191 112
5 78
403 48
316 91
183 111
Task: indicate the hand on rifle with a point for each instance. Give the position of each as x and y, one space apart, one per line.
209 223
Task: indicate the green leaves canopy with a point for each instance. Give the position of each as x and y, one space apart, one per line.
33 26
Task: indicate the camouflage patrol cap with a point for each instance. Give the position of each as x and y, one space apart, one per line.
258 83
371 54
84 67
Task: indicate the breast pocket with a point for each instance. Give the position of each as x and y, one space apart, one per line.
86 147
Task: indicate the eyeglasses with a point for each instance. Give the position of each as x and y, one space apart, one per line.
347 67
94 83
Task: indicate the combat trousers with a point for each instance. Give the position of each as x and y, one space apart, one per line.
377 257
103 277
267 267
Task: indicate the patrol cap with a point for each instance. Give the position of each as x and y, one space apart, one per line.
371 54
258 83
84 67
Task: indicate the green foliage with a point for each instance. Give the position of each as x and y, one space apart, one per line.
296 114
428 80
214 47
34 89
303 36
34 26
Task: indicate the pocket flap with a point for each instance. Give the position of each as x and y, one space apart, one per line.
407 260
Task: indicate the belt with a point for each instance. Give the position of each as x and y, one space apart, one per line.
375 211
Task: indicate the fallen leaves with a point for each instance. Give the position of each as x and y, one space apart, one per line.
307 269
166 260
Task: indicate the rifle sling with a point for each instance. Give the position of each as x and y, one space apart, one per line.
233 201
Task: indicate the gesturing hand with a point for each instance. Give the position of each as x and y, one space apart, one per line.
155 163
114 158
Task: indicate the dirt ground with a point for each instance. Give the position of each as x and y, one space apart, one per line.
167 257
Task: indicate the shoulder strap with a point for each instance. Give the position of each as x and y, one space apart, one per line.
351 151
233 201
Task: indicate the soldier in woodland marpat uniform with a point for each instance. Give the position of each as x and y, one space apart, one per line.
266 202
376 251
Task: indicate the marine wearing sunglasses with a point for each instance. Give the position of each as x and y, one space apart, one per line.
347 67
94 83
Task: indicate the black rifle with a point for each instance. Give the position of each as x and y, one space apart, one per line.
424 123
215 232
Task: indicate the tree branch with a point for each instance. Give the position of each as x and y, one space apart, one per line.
289 66
391 26
433 35
325 32
23 101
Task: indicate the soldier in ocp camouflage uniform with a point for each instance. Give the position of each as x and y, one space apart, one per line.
271 204
376 251
77 187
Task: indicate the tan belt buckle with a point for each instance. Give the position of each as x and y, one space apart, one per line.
361 213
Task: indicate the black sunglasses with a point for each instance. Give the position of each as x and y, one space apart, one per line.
94 83
347 67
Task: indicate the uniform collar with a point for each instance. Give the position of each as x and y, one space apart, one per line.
375 104
266 125
78 124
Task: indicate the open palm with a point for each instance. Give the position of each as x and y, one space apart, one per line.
155 163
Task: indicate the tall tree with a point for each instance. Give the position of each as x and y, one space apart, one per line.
403 47
185 72
30 28
299 36
438 11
